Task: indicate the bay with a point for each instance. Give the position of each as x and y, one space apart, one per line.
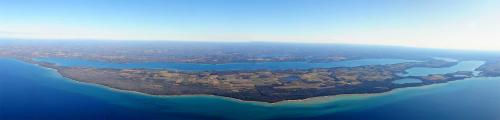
220 67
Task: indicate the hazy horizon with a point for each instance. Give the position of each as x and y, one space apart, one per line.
446 24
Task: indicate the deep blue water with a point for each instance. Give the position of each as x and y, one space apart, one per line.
222 67
30 92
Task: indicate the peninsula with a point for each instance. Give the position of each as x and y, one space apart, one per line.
263 85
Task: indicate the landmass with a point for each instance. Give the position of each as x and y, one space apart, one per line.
261 85
490 68
251 85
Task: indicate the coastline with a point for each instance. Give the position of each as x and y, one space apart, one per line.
314 106
308 101
254 95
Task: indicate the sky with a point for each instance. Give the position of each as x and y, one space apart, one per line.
449 24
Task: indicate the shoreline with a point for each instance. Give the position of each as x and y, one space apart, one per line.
311 100
334 104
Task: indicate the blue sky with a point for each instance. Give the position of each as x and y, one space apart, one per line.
420 23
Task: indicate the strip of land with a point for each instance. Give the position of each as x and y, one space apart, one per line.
251 85
261 85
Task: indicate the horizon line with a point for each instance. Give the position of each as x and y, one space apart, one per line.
246 41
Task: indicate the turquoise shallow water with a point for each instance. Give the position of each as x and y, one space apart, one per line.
30 91
222 67
461 66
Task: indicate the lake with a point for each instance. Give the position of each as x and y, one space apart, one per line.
221 67
29 91
461 66
406 81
